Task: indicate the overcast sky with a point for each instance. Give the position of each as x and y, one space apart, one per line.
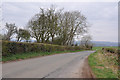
103 16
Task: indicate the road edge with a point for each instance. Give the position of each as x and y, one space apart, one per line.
87 71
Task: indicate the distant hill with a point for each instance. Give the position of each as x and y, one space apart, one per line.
101 43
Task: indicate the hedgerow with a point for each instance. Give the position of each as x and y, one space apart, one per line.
11 47
111 50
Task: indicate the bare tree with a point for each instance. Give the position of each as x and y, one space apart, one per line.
86 41
1 36
52 20
38 26
44 25
11 29
57 26
23 34
72 24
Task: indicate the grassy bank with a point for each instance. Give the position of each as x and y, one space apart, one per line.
104 65
32 55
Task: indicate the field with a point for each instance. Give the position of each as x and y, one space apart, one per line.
104 64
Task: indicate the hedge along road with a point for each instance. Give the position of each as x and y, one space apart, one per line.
68 65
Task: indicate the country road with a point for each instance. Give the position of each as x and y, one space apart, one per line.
68 65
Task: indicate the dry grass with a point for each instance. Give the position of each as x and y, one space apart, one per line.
109 60
104 64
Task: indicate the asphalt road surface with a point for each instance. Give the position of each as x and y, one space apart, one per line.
68 65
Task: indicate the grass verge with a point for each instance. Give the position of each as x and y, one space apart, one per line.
32 55
103 66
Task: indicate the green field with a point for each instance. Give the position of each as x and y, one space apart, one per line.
99 48
104 65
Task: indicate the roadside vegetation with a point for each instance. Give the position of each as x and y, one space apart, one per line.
50 31
23 50
22 56
104 62
52 26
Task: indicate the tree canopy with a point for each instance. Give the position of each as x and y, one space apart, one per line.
52 25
